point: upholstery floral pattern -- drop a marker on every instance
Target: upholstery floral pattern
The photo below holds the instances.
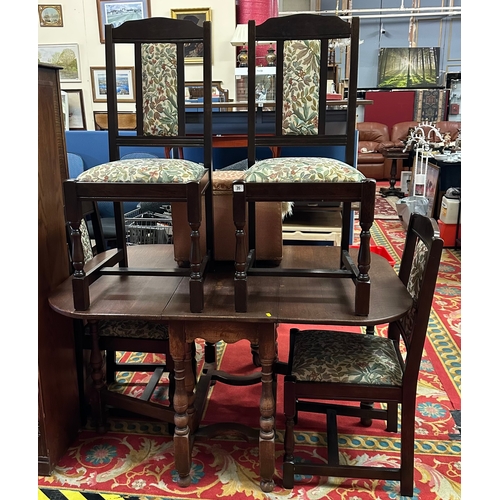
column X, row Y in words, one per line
column 159, row 89
column 340, row 357
column 133, row 329
column 307, row 169
column 145, row 170
column 301, row 87
column 86, row 243
column 413, row 286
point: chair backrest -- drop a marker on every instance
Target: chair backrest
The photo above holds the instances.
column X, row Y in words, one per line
column 418, row 271
column 158, row 46
column 301, row 115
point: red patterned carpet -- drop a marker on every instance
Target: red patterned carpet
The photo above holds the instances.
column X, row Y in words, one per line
column 134, row 460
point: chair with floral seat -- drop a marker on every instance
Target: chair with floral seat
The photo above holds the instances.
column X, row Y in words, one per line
column 158, row 48
column 302, row 118
column 343, row 367
column 140, row 339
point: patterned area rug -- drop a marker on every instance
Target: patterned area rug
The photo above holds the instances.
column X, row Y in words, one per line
column 134, row 459
column 384, row 208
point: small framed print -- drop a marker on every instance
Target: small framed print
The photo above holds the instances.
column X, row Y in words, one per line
column 50, row 16
column 76, row 112
column 125, row 84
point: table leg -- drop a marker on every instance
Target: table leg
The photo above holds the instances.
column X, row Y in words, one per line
column 182, row 447
column 392, row 190
column 267, row 354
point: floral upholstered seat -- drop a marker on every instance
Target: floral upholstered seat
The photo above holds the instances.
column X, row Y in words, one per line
column 336, row 357
column 309, row 169
column 145, row 170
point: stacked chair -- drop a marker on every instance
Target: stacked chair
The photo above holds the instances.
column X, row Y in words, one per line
column 301, row 120
column 158, row 46
column 352, row 367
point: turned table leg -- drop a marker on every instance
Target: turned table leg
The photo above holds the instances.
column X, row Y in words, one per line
column 182, row 448
column 267, row 353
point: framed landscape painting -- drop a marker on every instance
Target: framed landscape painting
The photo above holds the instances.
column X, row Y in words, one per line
column 65, row 55
column 76, row 118
column 50, row 16
column 116, row 12
column 125, row 84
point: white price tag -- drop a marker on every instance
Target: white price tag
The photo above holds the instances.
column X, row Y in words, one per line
column 238, row 188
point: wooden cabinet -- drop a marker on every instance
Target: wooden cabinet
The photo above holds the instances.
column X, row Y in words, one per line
column 58, row 408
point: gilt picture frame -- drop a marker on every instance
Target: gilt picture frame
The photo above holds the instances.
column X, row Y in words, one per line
column 50, row 16
column 125, row 83
column 193, row 52
column 116, row 12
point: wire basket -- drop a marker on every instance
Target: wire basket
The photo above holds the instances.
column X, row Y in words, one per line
column 146, row 226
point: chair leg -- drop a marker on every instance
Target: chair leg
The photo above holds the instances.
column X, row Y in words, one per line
column 289, row 440
column 367, row 422
column 80, row 371
column 111, row 367
column 392, row 417
column 407, row 448
column 97, row 400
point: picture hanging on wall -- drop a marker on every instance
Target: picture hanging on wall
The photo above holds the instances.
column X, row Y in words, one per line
column 409, row 67
column 66, row 56
column 116, row 12
column 76, row 114
column 125, row 84
column 193, row 52
column 50, row 16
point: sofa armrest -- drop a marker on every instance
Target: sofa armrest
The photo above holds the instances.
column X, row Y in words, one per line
column 385, row 145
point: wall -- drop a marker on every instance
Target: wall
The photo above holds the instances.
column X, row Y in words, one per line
column 430, row 32
column 80, row 25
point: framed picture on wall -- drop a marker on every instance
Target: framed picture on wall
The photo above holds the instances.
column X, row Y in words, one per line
column 50, row 16
column 193, row 52
column 116, row 12
column 76, row 113
column 64, row 55
column 125, row 84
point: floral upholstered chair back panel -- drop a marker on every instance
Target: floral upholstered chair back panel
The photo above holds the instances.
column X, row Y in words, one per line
column 157, row 87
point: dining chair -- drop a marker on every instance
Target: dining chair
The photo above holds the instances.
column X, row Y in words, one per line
column 104, row 340
column 343, row 367
column 158, row 93
column 302, row 118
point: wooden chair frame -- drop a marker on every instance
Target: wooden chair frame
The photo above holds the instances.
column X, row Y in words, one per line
column 304, row 395
column 136, row 33
column 324, row 29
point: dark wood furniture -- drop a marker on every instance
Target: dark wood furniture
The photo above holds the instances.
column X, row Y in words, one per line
column 300, row 120
column 283, row 300
column 160, row 123
column 393, row 154
column 58, row 408
column 341, row 366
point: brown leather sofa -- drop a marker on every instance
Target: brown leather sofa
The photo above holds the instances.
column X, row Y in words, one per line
column 373, row 138
column 399, row 131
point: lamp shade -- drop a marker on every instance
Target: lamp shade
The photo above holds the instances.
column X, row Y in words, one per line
column 240, row 36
